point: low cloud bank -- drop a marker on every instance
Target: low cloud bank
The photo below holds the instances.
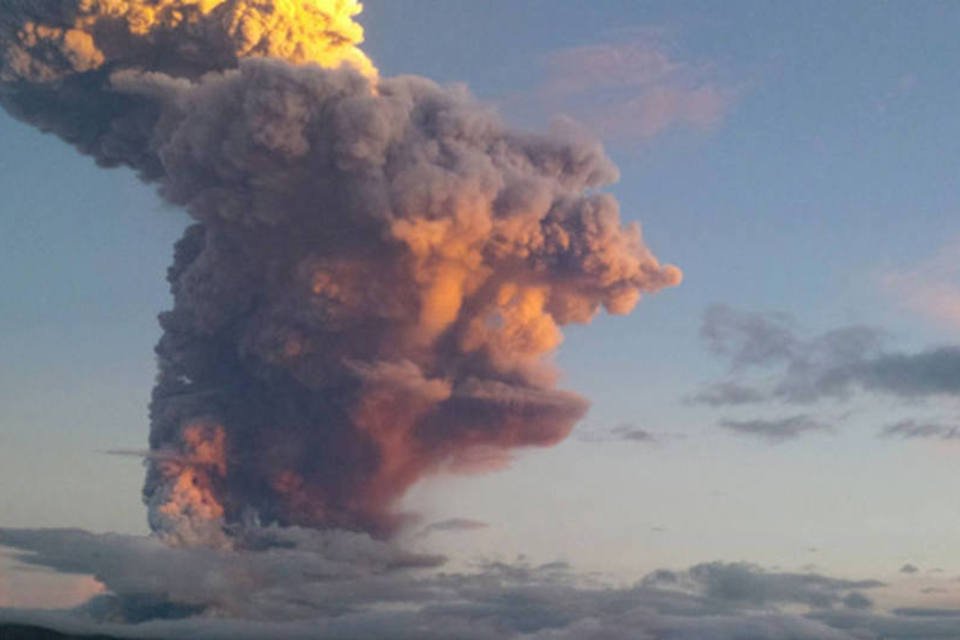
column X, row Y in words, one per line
column 296, row 583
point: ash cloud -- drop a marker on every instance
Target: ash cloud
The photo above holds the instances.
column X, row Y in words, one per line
column 378, row 271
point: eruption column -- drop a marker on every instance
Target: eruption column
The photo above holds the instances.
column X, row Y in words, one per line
column 378, row 271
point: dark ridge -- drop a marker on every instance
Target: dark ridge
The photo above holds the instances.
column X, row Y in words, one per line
column 29, row 632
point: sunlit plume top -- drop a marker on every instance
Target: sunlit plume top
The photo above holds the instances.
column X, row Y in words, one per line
column 189, row 37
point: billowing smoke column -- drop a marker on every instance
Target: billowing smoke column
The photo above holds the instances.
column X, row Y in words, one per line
column 378, row 269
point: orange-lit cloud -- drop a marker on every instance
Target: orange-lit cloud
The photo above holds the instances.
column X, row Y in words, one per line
column 187, row 510
column 379, row 268
column 47, row 43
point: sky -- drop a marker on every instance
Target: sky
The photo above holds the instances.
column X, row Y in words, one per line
column 793, row 404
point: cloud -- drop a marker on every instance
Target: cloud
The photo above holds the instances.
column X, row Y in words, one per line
column 300, row 584
column 831, row 365
column 632, row 89
column 623, row 432
column 926, row 612
column 630, row 433
column 453, row 525
column 750, row 585
column 776, row 431
column 930, row 372
column 856, row 600
column 901, row 89
column 747, row 339
column 326, row 585
column 931, row 288
column 29, row 588
column 912, row 429
column 900, row 624
column 909, row 568
column 725, row 393
column 381, row 256
column 289, row 573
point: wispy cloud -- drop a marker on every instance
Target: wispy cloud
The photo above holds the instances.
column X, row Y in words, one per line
column 776, row 431
column 932, row 287
column 830, row 365
column 914, row 429
column 900, row 89
column 726, row 393
column 632, row 88
column 453, row 525
column 623, row 432
column 631, row 433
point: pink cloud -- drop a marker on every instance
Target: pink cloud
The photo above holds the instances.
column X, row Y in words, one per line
column 661, row 108
column 32, row 588
column 904, row 86
column 632, row 64
column 632, row 90
column 932, row 287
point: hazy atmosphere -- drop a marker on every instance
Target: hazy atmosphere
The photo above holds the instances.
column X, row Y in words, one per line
column 456, row 319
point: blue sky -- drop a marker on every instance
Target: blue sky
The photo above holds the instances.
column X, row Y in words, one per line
column 802, row 160
column 830, row 168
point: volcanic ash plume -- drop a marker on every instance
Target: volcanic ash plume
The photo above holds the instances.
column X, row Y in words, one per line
column 378, row 269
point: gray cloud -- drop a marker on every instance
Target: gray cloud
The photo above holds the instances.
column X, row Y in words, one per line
column 631, row 433
column 913, row 429
column 909, row 568
column 288, row 573
column 301, row 584
column 931, row 372
column 776, row 430
column 856, row 600
column 337, row 585
column 750, row 585
column 899, row 625
column 453, row 524
column 926, row 612
column 623, row 432
column 726, row 393
column 748, row 339
column 834, row 364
